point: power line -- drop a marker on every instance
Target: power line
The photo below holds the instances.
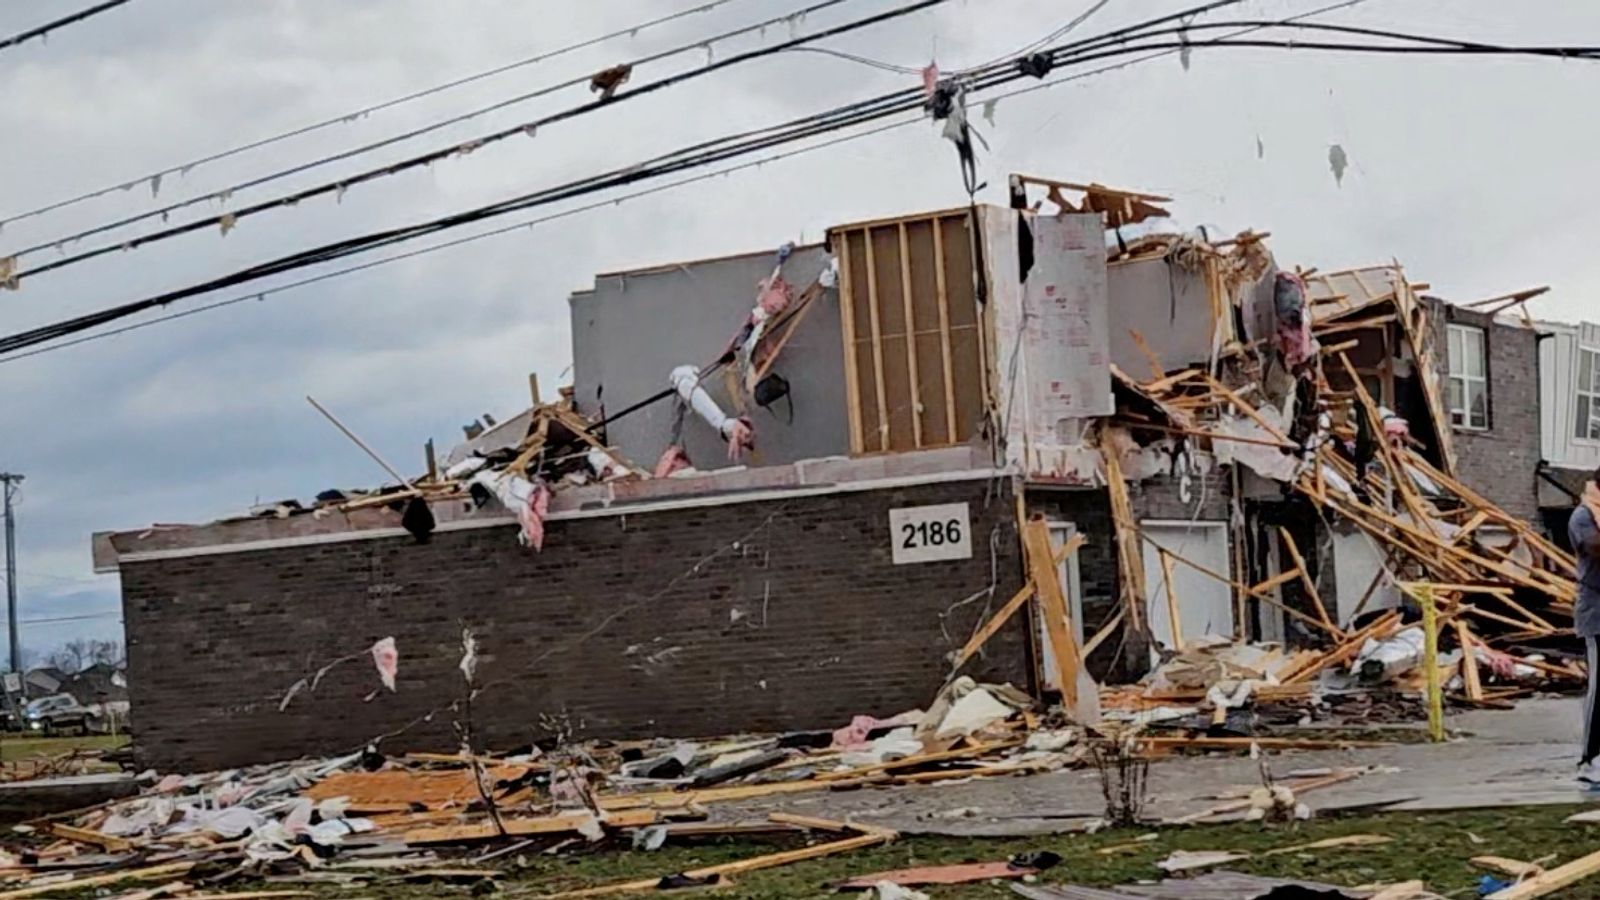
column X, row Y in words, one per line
column 165, row 211
column 45, row 29
column 529, row 224
column 833, row 120
column 79, row 618
column 527, row 128
column 186, row 167
column 520, row 226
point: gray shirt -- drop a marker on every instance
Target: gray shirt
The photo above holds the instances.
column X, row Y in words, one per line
column 1582, row 531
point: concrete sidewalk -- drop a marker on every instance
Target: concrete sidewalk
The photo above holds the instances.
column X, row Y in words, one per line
column 1520, row 757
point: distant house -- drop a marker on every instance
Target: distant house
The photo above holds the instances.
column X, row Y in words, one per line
column 1569, row 414
column 42, row 682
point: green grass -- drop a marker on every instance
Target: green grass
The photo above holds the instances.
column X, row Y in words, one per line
column 20, row 747
column 1435, row 847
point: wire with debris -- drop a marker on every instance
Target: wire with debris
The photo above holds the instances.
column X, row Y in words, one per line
column 185, row 168
column 860, row 113
column 616, row 74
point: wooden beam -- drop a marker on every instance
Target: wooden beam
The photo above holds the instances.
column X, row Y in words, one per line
column 1305, row 580
column 911, row 338
column 877, row 344
column 1173, row 623
column 995, row 623
column 1551, row 881
column 847, row 327
column 106, row 842
column 944, row 329
column 1469, row 662
column 77, row 884
column 1053, row 604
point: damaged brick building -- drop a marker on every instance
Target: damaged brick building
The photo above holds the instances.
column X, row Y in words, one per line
column 816, row 518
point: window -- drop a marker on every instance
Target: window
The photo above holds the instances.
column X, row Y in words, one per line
column 1469, row 378
column 1586, row 424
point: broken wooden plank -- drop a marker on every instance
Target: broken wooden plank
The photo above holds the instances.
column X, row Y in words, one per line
column 105, row 842
column 1047, row 585
column 1469, row 662
column 867, row 837
column 557, row 824
column 1516, row 868
column 77, row 884
column 1552, row 880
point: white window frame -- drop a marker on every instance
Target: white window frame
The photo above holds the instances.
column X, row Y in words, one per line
column 1461, row 416
column 1584, row 431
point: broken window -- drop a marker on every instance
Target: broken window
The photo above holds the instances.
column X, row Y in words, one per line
column 1469, row 377
column 1586, row 424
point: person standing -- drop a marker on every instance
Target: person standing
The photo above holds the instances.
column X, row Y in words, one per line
column 1583, row 529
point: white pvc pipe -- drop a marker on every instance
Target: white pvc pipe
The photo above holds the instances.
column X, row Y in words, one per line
column 686, row 380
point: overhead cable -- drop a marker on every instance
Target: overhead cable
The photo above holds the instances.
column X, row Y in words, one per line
column 154, row 179
column 227, row 220
column 854, row 114
column 45, row 29
column 261, row 296
column 345, row 118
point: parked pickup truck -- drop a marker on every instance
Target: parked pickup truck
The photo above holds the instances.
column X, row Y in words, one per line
column 56, row 714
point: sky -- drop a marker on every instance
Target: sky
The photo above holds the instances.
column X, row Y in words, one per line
column 1472, row 171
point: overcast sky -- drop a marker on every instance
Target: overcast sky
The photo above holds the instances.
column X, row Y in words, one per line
column 1474, row 172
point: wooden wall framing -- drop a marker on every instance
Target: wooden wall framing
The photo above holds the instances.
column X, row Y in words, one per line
column 915, row 348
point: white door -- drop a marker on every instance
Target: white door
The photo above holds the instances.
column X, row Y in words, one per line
column 1068, row 573
column 1205, row 604
column 1357, row 566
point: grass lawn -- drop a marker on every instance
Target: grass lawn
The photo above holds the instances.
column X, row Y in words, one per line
column 1431, row 846
column 19, row 747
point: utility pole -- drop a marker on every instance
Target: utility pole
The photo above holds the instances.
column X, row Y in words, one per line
column 9, row 482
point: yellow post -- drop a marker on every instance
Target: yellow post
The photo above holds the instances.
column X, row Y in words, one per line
column 1430, row 659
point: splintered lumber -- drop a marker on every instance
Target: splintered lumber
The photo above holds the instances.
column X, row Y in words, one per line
column 105, row 842
column 1004, row 614
column 146, row 874
column 1174, row 624
column 865, row 837
column 1469, row 662
column 1129, row 561
column 1305, row 579
column 557, row 824
column 1047, row 587
column 923, row 759
column 1516, row 868
column 995, row 623
column 1349, row 840
column 1550, row 881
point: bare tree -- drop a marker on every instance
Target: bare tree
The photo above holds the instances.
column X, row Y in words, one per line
column 80, row 653
column 72, row 657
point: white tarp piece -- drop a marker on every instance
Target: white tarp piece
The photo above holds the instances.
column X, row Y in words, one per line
column 1052, row 336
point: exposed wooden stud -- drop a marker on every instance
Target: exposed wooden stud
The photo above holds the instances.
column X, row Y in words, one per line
column 1174, row 624
column 847, row 327
column 944, row 329
column 911, row 338
column 431, row 460
column 877, row 344
column 533, row 389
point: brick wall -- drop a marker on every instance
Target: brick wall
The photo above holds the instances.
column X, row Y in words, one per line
column 1500, row 462
column 772, row 615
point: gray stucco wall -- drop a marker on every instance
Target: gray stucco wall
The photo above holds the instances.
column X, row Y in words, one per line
column 1169, row 307
column 634, row 328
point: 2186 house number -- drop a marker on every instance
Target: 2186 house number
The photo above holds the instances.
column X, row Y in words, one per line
column 920, row 534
